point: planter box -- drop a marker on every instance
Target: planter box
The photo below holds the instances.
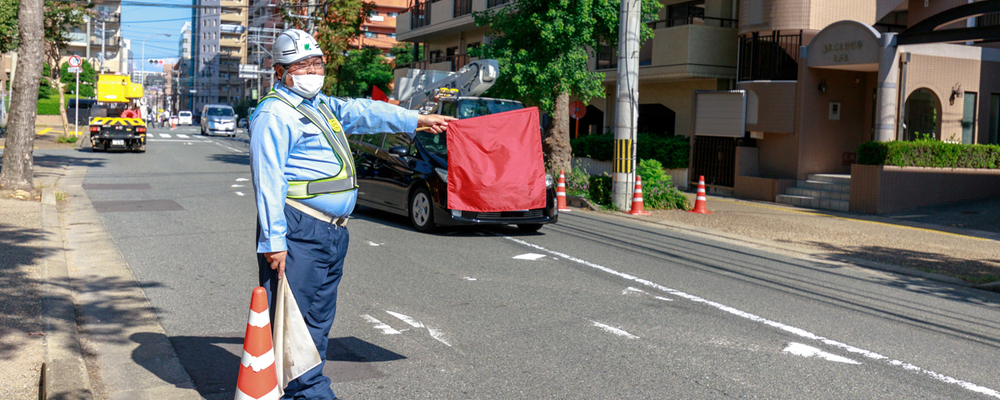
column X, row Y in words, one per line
column 595, row 167
column 885, row 189
column 757, row 188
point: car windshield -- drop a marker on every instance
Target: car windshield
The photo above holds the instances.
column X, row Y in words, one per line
column 480, row 107
column 434, row 143
column 220, row 112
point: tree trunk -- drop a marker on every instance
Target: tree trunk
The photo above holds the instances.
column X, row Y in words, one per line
column 558, row 151
column 18, row 162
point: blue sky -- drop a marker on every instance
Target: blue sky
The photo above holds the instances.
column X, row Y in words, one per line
column 139, row 22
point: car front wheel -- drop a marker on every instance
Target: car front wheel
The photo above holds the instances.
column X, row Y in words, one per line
column 422, row 210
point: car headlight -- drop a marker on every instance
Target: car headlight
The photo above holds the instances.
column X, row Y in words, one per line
column 548, row 180
column 442, row 173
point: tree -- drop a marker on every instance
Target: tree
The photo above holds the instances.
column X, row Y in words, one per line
column 88, row 80
column 402, row 53
column 18, row 163
column 8, row 25
column 363, row 69
column 341, row 26
column 542, row 47
column 58, row 17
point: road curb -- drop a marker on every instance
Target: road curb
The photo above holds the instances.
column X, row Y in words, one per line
column 64, row 372
column 816, row 254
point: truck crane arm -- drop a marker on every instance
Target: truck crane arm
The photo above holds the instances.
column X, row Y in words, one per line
column 420, row 89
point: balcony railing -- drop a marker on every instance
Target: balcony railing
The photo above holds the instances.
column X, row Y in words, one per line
column 693, row 20
column 769, row 57
column 457, row 61
column 418, row 15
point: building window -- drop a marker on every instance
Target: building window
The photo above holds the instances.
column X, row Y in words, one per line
column 418, row 15
column 771, row 56
column 373, row 13
column 392, row 35
column 371, row 34
column 494, row 3
column 462, row 7
column 392, row 15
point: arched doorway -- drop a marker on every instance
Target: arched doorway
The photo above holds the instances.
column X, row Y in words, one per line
column 922, row 115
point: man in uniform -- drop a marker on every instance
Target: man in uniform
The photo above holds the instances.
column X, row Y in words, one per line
column 303, row 177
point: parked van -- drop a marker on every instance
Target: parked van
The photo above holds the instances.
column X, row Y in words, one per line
column 218, row 119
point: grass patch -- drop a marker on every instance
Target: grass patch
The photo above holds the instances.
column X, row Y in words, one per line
column 66, row 139
column 61, row 196
column 49, row 105
column 980, row 279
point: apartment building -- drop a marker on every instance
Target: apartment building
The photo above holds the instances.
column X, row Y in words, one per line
column 822, row 77
column 380, row 28
column 220, row 49
column 265, row 23
column 694, row 48
column 183, row 71
column 101, row 33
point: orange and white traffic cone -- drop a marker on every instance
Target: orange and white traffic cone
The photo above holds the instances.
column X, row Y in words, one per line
column 561, row 193
column 700, row 205
column 258, row 379
column 637, row 199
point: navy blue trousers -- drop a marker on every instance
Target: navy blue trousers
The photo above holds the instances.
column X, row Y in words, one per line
column 313, row 267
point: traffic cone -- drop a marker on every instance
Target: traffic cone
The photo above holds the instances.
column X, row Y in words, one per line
column 561, row 192
column 258, row 379
column 700, row 205
column 637, row 199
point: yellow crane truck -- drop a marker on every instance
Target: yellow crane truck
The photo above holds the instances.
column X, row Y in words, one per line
column 115, row 121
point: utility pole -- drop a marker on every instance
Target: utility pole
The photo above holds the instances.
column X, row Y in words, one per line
column 103, row 39
column 627, row 109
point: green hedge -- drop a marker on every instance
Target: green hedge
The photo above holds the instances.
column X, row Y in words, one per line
column 672, row 152
column 929, row 153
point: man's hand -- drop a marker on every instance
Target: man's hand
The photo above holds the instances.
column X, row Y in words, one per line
column 277, row 260
column 433, row 122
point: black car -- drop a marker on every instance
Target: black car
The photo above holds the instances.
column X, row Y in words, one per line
column 410, row 177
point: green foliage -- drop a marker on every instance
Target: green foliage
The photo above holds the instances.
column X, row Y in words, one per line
column 46, row 90
column 658, row 191
column 88, row 80
column 672, row 152
column 242, row 107
column 49, row 105
column 67, row 139
column 542, row 46
column 577, row 181
column 600, row 189
column 363, row 69
column 402, row 53
column 339, row 29
column 929, row 153
column 8, row 25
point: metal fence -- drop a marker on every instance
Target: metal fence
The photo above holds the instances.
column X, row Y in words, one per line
column 714, row 158
column 418, row 15
column 769, row 57
column 693, row 20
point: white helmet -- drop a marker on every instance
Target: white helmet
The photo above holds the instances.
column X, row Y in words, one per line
column 294, row 45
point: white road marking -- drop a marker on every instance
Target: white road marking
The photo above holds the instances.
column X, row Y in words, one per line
column 235, row 185
column 241, row 179
column 240, row 194
column 438, row 335
column 614, row 330
column 385, row 328
column 529, row 256
column 633, row 291
column 662, row 298
column 373, row 244
column 790, row 329
column 229, row 148
column 469, row 278
column 182, row 136
column 164, row 135
column 800, row 349
column 406, row 318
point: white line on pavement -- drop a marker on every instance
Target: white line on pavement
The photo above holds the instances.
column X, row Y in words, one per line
column 438, row 335
column 790, row 329
column 800, row 349
column 529, row 256
column 406, row 318
column 385, row 328
column 616, row 331
column 182, row 136
column 164, row 135
column 240, row 194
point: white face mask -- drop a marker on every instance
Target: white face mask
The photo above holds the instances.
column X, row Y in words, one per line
column 307, row 86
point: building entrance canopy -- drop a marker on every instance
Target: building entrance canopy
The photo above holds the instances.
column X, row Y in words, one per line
column 845, row 45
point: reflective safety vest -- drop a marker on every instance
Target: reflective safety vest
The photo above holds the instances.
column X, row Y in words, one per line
column 340, row 181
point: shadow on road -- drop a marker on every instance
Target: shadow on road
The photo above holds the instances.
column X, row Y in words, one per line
column 230, row 158
column 213, row 362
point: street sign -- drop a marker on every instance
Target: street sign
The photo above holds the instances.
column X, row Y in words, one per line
column 577, row 109
column 74, row 70
column 75, row 61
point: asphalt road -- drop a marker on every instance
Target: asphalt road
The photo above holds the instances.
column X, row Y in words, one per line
column 592, row 307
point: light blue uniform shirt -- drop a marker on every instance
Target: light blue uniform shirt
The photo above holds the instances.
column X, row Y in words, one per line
column 286, row 146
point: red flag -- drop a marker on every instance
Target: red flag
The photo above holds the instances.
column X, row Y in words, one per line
column 495, row 163
column 377, row 94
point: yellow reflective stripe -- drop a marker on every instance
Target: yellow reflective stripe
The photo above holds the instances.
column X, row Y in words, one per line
column 117, row 121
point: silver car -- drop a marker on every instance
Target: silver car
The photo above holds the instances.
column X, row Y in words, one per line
column 218, row 119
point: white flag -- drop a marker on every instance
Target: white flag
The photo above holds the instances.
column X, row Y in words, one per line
column 294, row 350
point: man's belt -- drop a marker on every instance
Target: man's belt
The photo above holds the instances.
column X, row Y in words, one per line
column 312, row 212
